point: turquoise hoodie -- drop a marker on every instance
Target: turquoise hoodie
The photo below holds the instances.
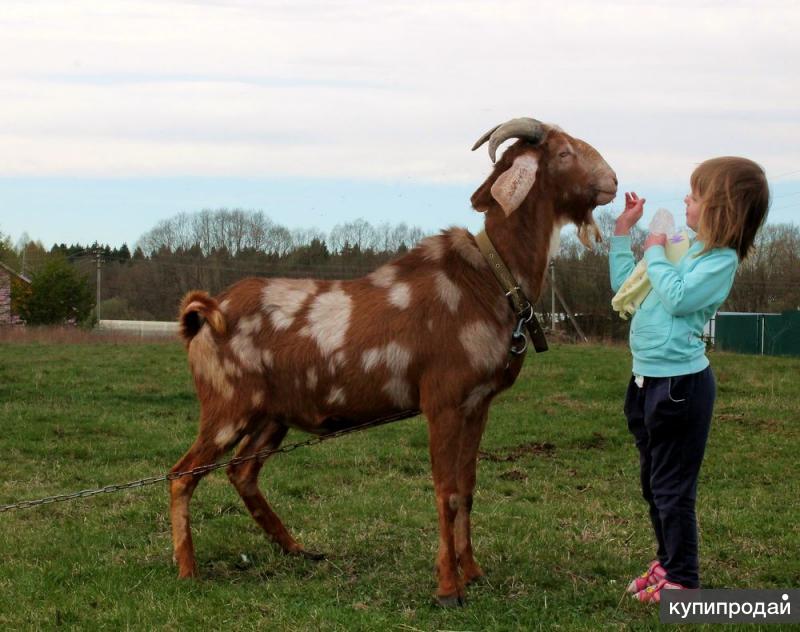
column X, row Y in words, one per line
column 666, row 330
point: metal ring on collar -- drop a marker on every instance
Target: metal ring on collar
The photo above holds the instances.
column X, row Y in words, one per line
column 518, row 351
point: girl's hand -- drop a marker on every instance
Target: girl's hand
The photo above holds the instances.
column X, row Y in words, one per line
column 634, row 208
column 655, row 239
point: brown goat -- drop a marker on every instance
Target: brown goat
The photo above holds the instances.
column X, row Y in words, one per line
column 428, row 331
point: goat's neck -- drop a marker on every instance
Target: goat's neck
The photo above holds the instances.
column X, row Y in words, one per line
column 523, row 241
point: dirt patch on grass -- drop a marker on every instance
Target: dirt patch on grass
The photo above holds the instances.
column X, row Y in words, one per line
column 514, row 475
column 596, row 442
column 516, row 453
column 751, row 421
column 567, row 402
column 729, row 416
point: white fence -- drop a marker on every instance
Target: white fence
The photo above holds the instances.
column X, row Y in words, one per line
column 141, row 328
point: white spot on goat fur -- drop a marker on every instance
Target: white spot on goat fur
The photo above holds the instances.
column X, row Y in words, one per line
column 250, row 325
column 329, row 320
column 395, row 357
column 225, row 436
column 476, row 397
column 430, row 324
column 336, row 396
column 231, row 368
column 371, row 358
column 258, row 399
column 484, row 345
column 432, row 248
column 224, row 305
column 383, row 276
column 281, row 320
column 207, row 365
column 267, row 358
column 249, row 355
column 463, row 244
column 283, row 298
column 400, row 295
column 449, row 292
column 399, row 392
column 336, row 362
column 311, row 378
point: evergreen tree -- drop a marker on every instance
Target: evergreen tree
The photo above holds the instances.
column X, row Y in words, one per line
column 58, row 294
column 195, row 252
column 7, row 253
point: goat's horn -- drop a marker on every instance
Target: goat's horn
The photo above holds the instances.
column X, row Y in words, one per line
column 527, row 128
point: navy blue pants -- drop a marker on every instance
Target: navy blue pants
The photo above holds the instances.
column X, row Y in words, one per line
column 670, row 418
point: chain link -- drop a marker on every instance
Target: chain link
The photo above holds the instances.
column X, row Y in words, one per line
column 203, row 469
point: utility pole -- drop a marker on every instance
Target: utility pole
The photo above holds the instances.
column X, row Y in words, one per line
column 552, row 295
column 97, row 304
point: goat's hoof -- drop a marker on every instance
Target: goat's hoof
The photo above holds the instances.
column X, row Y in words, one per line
column 310, row 555
column 450, row 601
column 473, row 574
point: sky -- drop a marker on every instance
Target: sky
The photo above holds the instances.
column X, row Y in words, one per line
column 115, row 114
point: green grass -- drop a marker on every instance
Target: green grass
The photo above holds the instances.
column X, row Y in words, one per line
column 559, row 525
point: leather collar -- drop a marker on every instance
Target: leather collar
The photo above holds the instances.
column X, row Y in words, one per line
column 523, row 308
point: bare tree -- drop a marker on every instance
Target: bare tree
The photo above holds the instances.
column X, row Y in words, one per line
column 304, row 236
column 278, row 240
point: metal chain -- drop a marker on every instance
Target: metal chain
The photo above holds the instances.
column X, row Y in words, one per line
column 203, row 469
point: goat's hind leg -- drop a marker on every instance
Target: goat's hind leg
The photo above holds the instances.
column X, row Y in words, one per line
column 202, row 452
column 244, row 477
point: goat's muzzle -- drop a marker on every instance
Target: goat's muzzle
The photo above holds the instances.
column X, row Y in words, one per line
column 604, row 197
column 606, row 187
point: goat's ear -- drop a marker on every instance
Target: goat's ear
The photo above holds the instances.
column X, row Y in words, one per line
column 514, row 184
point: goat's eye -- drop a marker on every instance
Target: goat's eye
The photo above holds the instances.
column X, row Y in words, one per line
column 563, row 154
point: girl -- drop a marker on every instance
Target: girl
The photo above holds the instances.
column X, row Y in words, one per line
column 671, row 394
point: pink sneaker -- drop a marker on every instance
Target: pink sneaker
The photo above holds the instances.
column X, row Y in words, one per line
column 652, row 594
column 654, row 573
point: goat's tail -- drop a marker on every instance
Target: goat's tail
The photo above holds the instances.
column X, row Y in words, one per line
column 198, row 308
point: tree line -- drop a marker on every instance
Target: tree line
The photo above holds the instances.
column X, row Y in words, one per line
column 214, row 248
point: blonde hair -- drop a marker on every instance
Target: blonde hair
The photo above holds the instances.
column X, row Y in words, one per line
column 734, row 198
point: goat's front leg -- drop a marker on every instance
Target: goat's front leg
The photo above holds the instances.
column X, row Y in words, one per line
column 468, row 459
column 444, row 429
column 244, row 477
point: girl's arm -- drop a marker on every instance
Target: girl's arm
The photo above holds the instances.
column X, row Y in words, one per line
column 620, row 260
column 708, row 283
column 620, row 257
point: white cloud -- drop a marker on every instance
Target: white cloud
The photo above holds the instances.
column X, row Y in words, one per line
column 389, row 89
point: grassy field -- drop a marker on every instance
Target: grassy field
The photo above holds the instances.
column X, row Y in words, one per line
column 558, row 522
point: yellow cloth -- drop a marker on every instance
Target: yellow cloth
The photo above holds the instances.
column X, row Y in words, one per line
column 637, row 286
